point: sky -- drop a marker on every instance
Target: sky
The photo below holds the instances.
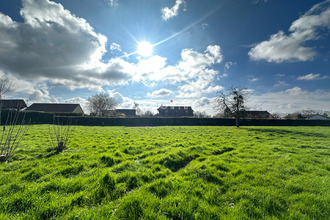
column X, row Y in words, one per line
column 168, row 52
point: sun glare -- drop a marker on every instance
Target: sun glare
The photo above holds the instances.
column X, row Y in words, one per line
column 144, row 49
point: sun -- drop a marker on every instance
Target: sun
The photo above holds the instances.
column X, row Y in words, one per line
column 144, row 48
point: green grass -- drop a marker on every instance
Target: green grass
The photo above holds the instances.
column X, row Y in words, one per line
column 170, row 173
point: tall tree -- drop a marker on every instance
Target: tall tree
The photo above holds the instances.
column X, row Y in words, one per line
column 99, row 103
column 232, row 103
column 5, row 86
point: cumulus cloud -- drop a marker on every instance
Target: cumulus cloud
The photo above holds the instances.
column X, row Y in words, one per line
column 168, row 13
column 282, row 47
column 193, row 61
column 78, row 100
column 161, row 93
column 55, row 45
column 199, row 75
column 291, row 100
column 35, row 91
column 205, row 104
column 121, row 100
column 194, row 73
column 312, row 76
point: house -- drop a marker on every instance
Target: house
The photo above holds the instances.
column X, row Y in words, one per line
column 55, row 108
column 175, row 111
column 119, row 113
column 316, row 117
column 12, row 104
column 258, row 115
column 126, row 112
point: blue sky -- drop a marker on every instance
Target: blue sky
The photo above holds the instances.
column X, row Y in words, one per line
column 66, row 51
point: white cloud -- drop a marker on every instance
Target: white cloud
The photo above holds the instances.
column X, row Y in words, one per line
column 205, row 104
column 193, row 61
column 228, row 65
column 292, row 100
column 168, row 13
column 122, row 101
column 78, row 100
column 253, row 78
column 161, row 93
column 54, row 45
column 257, row 1
column 35, row 91
column 113, row 3
column 193, row 73
column 312, row 76
column 115, row 46
column 281, row 47
column 281, row 84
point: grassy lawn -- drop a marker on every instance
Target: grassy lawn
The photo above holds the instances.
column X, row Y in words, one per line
column 170, row 173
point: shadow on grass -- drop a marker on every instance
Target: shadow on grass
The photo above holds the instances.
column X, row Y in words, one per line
column 288, row 132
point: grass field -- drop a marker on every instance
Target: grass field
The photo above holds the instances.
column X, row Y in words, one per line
column 170, row 173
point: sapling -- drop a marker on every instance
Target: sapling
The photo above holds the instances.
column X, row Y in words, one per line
column 12, row 134
column 60, row 133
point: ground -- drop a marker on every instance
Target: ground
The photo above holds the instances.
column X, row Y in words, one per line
column 170, row 173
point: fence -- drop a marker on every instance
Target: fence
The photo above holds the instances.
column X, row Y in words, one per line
column 131, row 122
column 47, row 118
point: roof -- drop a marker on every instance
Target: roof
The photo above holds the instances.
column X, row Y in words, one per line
column 174, row 107
column 53, row 107
column 258, row 112
column 12, row 103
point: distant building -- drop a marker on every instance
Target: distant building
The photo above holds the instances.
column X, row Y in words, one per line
column 258, row 115
column 175, row 111
column 12, row 104
column 126, row 112
column 119, row 113
column 55, row 108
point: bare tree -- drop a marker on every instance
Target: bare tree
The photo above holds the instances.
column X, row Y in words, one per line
column 100, row 103
column 232, row 103
column 5, row 86
column 198, row 114
column 148, row 114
